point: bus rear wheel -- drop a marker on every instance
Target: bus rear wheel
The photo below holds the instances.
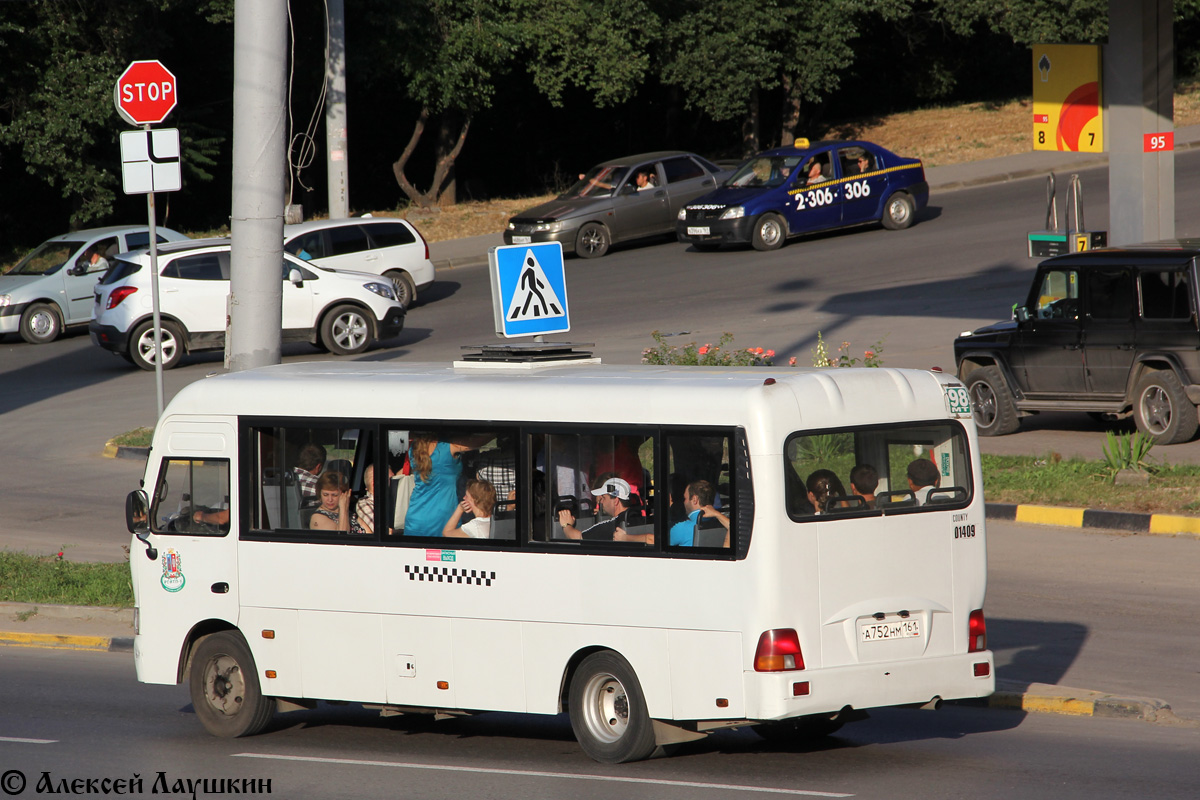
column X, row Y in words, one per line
column 225, row 690
column 608, row 710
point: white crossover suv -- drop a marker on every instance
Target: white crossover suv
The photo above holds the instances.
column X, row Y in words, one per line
column 338, row 310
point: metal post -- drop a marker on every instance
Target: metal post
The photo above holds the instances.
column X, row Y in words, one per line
column 158, row 354
column 259, row 182
column 336, row 150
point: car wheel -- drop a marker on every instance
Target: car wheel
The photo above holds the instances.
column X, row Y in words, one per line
column 608, row 710
column 406, row 290
column 225, row 691
column 40, row 324
column 592, row 241
column 141, row 345
column 769, row 232
column 1162, row 410
column 346, row 331
column 992, row 402
column 899, row 212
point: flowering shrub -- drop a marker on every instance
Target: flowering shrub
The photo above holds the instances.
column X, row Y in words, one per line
column 872, row 357
column 721, row 354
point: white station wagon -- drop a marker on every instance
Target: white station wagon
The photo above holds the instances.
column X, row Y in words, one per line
column 389, row 247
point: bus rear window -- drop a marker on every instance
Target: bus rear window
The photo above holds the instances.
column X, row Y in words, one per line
column 880, row 469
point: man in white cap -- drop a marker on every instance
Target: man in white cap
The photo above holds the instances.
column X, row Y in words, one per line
column 612, row 495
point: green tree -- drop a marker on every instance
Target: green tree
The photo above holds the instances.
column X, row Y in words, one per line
column 61, row 62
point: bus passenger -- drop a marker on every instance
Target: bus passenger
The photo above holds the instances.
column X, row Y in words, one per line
column 334, row 512
column 698, row 501
column 613, row 497
column 436, row 467
column 479, row 499
column 308, row 467
column 364, row 512
column 863, row 481
column 822, row 485
column 923, row 477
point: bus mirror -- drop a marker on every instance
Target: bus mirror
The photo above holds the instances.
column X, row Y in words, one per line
column 137, row 512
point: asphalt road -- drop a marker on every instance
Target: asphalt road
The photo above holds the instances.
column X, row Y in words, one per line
column 963, row 265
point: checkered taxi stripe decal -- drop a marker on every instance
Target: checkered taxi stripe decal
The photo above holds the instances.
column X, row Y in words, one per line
column 476, row 577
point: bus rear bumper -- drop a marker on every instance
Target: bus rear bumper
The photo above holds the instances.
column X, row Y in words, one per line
column 783, row 695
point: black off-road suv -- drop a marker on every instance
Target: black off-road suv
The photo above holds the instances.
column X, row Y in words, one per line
column 1111, row 332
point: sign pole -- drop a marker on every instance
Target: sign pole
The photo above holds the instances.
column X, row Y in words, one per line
column 158, row 355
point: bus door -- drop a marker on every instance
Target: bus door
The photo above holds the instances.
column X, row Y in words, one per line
column 886, row 573
column 192, row 576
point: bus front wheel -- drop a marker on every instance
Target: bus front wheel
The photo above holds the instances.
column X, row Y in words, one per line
column 225, row 690
column 608, row 710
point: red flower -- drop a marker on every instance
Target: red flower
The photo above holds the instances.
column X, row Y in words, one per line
column 703, row 350
column 792, row 361
column 770, row 354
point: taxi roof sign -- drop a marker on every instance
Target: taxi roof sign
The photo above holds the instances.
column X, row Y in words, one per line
column 801, row 144
column 529, row 289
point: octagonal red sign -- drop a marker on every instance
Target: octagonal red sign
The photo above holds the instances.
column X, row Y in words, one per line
column 145, row 93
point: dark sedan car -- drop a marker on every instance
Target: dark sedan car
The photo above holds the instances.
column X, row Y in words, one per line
column 623, row 199
column 804, row 188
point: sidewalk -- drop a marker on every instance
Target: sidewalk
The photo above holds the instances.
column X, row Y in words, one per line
column 470, row 252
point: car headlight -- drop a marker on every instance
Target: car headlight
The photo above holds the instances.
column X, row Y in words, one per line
column 381, row 289
column 682, row 215
column 511, row 226
column 5, row 299
column 542, row 227
column 733, row 212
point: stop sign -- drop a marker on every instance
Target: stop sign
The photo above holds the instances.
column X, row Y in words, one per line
column 145, row 93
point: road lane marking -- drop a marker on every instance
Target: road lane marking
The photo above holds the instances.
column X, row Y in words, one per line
column 18, row 740
column 536, row 774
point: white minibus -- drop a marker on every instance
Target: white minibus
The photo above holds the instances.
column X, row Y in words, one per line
column 661, row 552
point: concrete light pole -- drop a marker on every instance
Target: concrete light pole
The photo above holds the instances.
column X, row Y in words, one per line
column 336, row 145
column 259, row 183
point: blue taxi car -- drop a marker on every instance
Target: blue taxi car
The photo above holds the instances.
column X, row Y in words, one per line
column 804, row 188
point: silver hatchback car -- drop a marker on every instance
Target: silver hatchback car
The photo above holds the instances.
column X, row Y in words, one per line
column 51, row 287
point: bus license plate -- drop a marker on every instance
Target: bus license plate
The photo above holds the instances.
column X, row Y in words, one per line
column 698, row 231
column 522, row 240
column 879, row 630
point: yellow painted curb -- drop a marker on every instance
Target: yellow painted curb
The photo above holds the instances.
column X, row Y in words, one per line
column 1058, row 705
column 17, row 639
column 110, row 449
column 1048, row 515
column 1167, row 523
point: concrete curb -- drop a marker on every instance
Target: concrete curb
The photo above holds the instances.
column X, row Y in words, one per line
column 1041, row 698
column 112, row 450
column 1166, row 524
column 57, row 641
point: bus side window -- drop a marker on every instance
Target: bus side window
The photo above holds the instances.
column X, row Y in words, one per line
column 700, row 504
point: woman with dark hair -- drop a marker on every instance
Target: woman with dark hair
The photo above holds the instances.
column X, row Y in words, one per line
column 822, row 485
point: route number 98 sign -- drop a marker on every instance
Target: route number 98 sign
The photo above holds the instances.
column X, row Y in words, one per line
column 958, row 400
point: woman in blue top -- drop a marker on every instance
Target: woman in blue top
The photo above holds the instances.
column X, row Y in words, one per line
column 436, row 467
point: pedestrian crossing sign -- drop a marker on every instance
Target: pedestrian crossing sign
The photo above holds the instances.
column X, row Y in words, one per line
column 529, row 289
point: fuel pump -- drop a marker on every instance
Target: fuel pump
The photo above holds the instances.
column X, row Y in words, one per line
column 1074, row 236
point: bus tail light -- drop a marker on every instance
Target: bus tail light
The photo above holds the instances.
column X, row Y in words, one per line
column 976, row 632
column 778, row 651
column 119, row 294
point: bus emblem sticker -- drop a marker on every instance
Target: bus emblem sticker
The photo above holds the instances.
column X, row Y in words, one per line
column 172, row 573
